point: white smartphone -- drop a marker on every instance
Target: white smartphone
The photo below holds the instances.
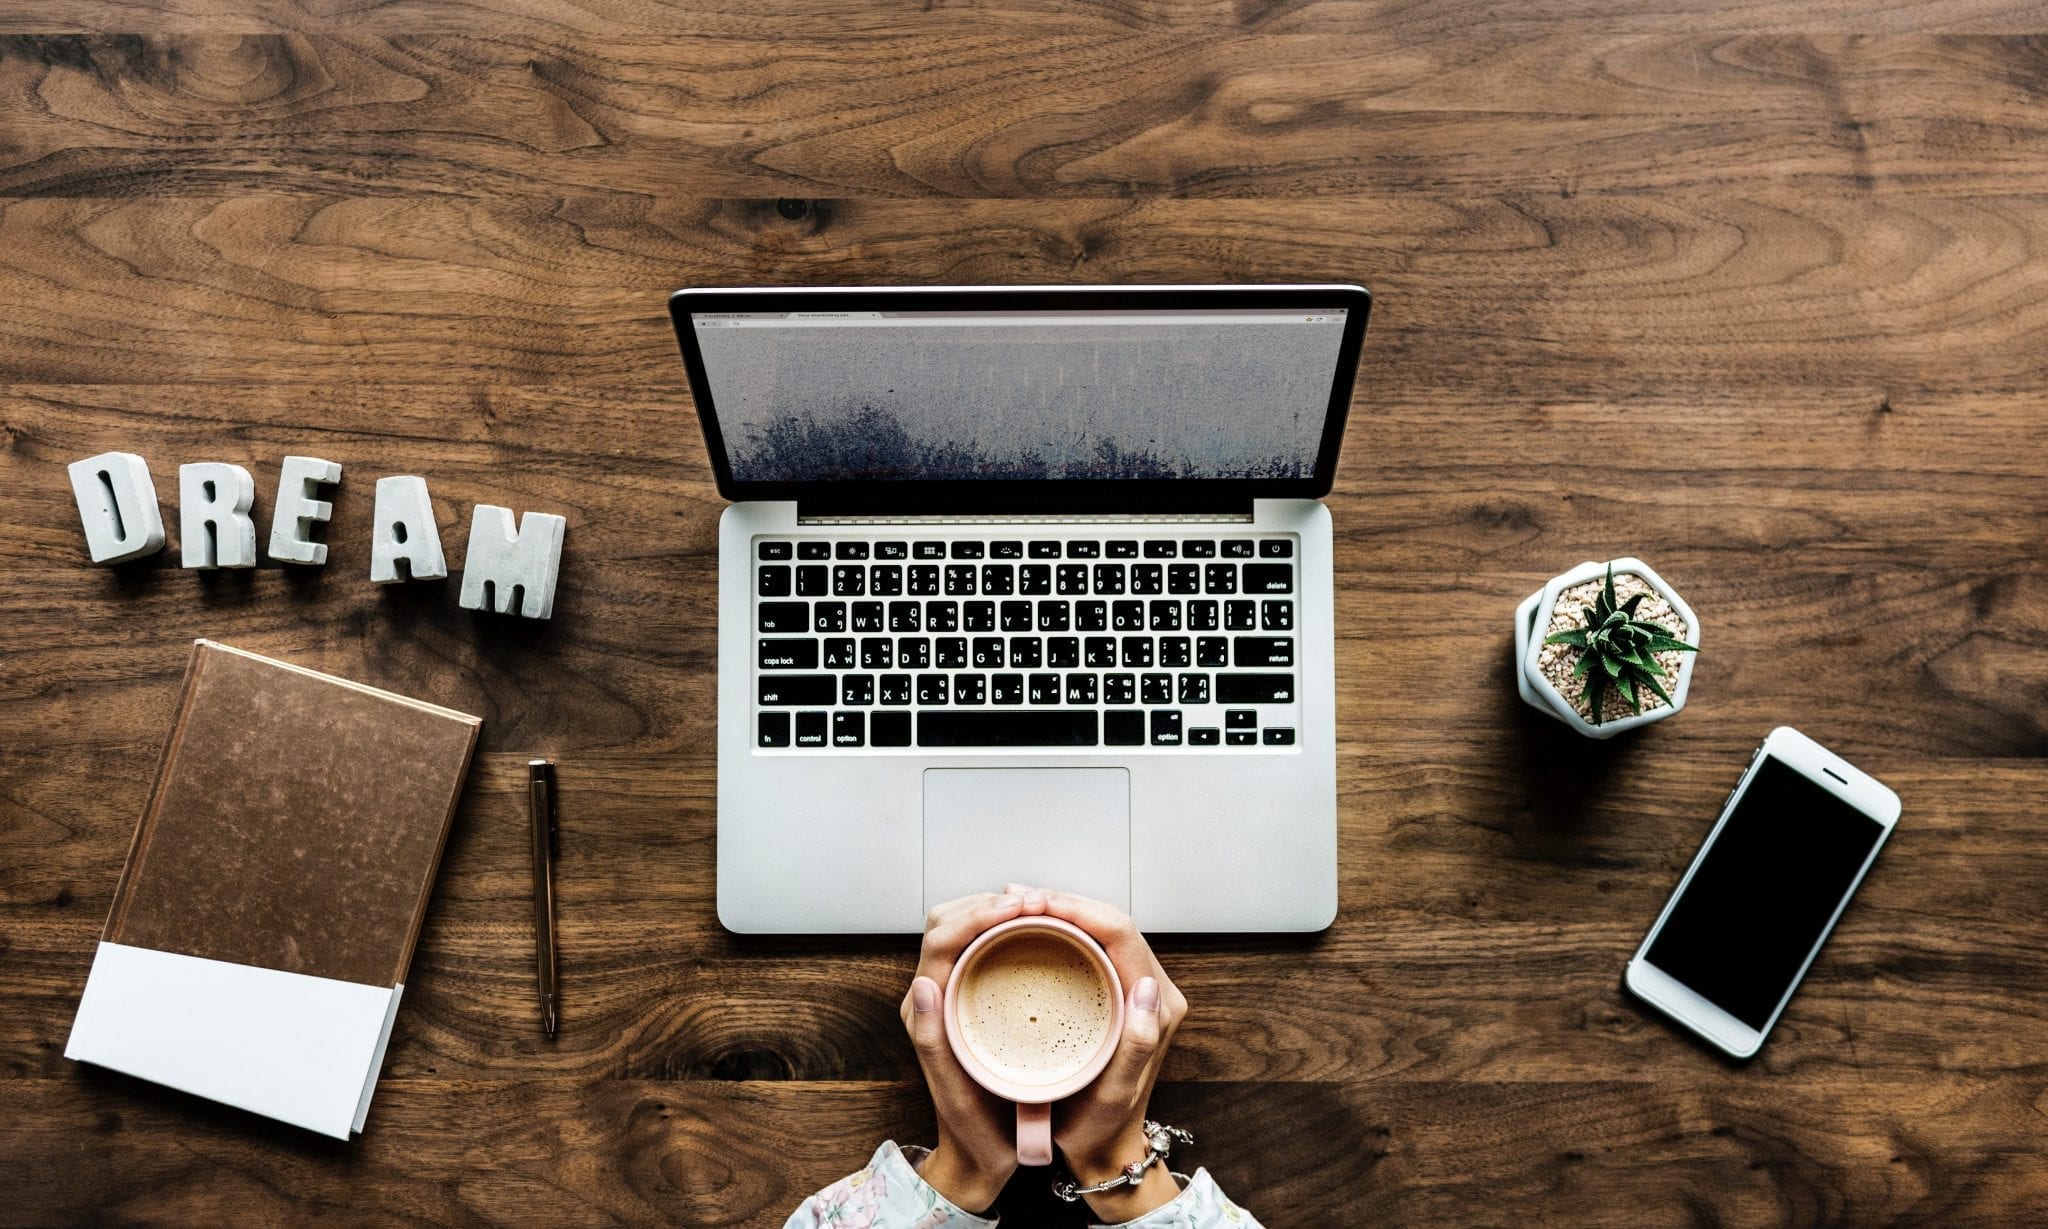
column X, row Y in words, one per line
column 1795, row 838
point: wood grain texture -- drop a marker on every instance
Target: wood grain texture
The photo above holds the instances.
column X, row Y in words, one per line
column 1751, row 289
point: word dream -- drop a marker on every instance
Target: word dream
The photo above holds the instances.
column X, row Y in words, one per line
column 511, row 569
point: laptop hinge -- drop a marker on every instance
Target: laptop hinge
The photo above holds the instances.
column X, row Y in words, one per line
column 1068, row 518
column 1020, row 509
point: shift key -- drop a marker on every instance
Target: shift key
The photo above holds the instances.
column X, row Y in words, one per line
column 1248, row 688
column 812, row 690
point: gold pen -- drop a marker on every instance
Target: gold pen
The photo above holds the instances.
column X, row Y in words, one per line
column 540, row 803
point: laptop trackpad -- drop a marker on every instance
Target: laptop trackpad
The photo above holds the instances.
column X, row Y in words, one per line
column 1065, row 828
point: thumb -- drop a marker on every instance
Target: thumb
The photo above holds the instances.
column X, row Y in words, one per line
column 927, row 1022
column 1141, row 1035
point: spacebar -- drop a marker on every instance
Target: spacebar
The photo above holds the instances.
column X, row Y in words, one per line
column 1026, row 728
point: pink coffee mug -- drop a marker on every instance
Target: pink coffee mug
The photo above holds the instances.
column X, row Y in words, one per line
column 1034, row 1101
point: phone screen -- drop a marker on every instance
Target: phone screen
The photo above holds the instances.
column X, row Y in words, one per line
column 1765, row 893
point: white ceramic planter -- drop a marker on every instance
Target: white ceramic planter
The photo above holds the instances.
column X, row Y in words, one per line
column 1545, row 698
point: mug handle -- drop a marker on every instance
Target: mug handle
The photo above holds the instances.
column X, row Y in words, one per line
column 1034, row 1134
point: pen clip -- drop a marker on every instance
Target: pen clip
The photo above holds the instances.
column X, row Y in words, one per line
column 540, row 784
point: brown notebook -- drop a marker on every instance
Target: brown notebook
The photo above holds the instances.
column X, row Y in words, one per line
column 295, row 828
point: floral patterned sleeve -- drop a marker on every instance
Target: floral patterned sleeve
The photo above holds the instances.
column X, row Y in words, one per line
column 888, row 1194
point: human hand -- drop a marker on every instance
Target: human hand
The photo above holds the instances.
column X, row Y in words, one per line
column 1101, row 1129
column 977, row 1148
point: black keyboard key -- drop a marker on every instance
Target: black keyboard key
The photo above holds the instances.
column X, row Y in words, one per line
column 1174, row 652
column 913, row 653
column 1100, row 652
column 923, row 579
column 1127, row 616
column 789, row 654
column 1198, row 548
column 1212, row 652
column 1119, row 689
column 1148, row 578
column 1026, row 653
column 970, row 689
column 1166, row 727
column 1204, row 616
column 849, row 579
column 791, row 690
column 1045, row 550
column 1109, row 578
column 1084, row 550
column 1194, row 689
column 1054, row 616
column 1081, row 689
column 1276, row 548
column 906, row 617
column 931, row 689
column 942, row 616
column 889, row 729
column 1034, row 579
column 1042, row 689
column 1242, row 738
column 1091, row 616
column 810, row 729
column 988, row 652
column 1125, row 549
column 1240, row 616
column 839, row 653
column 895, row 689
column 1137, row 652
column 998, row 579
column 1063, row 652
column 1124, row 728
column 773, row 581
column 877, row 653
column 852, row 550
column 1279, row 736
column 1016, row 616
column 1241, row 719
column 857, row 690
column 813, row 580
column 1277, row 616
column 892, row 550
column 1237, row 548
column 1269, row 578
column 814, row 550
column 980, row 616
column 1006, row 689
column 1155, row 689
column 1220, row 577
column 1262, row 651
column 1164, row 616
column 777, row 550
column 1006, row 550
column 929, row 550
column 867, row 616
column 1183, row 578
column 849, row 729
column 1200, row 736
column 952, row 653
column 785, row 617
column 885, row 579
column 966, row 550
column 1017, row 728
column 1254, row 688
column 1071, row 578
column 774, row 729
column 1161, row 548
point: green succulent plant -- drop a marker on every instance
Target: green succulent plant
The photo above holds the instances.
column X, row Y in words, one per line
column 1619, row 650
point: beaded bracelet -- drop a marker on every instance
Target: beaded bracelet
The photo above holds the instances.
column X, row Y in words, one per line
column 1159, row 1142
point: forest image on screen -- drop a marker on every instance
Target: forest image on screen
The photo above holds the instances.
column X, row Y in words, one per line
column 1039, row 401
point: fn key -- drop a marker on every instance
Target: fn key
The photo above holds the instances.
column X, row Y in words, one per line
column 774, row 730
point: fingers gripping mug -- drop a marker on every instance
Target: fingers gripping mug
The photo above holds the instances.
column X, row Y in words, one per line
column 1033, row 1011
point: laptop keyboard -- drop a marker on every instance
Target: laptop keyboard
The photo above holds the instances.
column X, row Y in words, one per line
column 1155, row 641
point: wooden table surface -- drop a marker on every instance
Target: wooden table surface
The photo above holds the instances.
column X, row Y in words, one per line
column 1755, row 291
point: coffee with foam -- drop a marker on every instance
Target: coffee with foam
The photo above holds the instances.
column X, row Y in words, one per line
column 1034, row 1008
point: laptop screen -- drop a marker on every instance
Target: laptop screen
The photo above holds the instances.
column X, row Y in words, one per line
column 1038, row 392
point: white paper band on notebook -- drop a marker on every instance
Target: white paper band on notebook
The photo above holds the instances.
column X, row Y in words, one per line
column 297, row 1048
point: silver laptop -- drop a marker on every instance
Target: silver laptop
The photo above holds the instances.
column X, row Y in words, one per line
column 1024, row 584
